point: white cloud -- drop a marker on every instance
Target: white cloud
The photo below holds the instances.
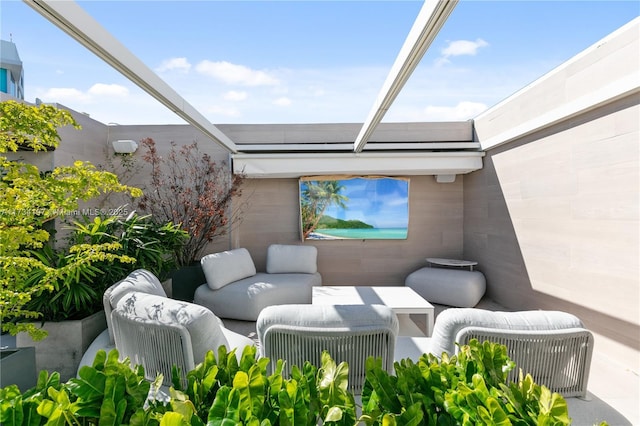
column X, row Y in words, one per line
column 464, row 110
column 461, row 48
column 101, row 89
column 177, row 64
column 283, row 101
column 64, row 94
column 236, row 74
column 234, row 95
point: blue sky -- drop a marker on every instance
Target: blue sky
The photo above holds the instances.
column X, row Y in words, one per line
column 382, row 203
column 305, row 62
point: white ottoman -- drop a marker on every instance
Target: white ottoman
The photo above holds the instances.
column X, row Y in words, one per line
column 451, row 287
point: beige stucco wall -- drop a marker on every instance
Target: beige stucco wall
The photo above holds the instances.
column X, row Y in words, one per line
column 435, row 229
column 553, row 217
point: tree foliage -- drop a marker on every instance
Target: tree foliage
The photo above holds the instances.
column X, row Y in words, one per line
column 189, row 188
column 30, row 198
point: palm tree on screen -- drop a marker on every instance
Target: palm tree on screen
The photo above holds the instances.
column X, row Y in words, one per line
column 316, row 197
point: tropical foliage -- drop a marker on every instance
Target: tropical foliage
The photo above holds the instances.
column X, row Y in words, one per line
column 315, row 198
column 189, row 188
column 30, row 199
column 220, row 391
column 468, row 389
column 140, row 243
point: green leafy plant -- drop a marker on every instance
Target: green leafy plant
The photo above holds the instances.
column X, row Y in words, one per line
column 77, row 293
column 220, row 391
column 128, row 243
column 467, row 389
column 223, row 389
column 29, row 200
column 150, row 243
column 108, row 392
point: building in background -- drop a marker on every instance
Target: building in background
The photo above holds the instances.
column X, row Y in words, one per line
column 11, row 72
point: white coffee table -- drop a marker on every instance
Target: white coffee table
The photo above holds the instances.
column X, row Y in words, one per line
column 403, row 300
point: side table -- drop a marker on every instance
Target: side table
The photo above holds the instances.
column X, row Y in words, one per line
column 452, row 262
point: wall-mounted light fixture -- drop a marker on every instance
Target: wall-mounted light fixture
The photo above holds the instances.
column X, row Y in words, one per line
column 445, row 178
column 124, row 146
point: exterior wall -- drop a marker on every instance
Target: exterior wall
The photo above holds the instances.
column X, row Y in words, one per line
column 553, row 216
column 86, row 144
column 435, row 230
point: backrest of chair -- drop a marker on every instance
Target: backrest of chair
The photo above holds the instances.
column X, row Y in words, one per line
column 558, row 359
column 156, row 347
column 450, row 321
column 139, row 280
column 162, row 317
column 350, row 333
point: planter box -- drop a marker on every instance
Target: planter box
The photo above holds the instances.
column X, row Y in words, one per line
column 185, row 280
column 18, row 367
column 67, row 341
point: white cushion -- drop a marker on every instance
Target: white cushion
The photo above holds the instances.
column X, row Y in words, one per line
column 450, row 321
column 203, row 326
column 335, row 318
column 291, row 259
column 451, row 287
column 244, row 299
column 226, row 267
column 139, row 280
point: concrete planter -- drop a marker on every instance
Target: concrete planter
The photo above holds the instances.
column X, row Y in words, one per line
column 62, row 350
column 18, row 367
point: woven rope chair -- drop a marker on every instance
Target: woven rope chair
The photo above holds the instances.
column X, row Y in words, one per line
column 558, row 359
column 350, row 333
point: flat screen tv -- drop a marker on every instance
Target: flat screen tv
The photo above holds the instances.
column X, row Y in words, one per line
column 357, row 208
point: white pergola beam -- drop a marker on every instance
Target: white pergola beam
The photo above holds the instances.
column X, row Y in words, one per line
column 295, row 165
column 73, row 20
column 432, row 16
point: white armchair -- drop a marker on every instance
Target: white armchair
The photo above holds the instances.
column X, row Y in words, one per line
column 157, row 333
column 554, row 347
column 351, row 333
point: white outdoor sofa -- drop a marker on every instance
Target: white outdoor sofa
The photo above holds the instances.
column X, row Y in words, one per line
column 553, row 346
column 351, row 333
column 158, row 332
column 235, row 290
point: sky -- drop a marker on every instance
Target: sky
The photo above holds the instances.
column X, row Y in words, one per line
column 382, row 203
column 304, row 61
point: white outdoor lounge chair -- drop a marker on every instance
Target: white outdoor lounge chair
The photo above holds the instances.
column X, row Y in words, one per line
column 351, row 333
column 559, row 359
column 157, row 347
column 157, row 333
column 554, row 347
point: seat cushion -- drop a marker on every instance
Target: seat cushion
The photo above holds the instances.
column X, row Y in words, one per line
column 244, row 299
column 228, row 266
column 287, row 259
column 203, row 326
column 451, row 287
